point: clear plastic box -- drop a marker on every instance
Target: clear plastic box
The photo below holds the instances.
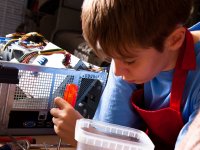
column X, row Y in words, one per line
column 95, row 135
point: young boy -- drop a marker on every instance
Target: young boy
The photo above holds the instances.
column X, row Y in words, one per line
column 154, row 78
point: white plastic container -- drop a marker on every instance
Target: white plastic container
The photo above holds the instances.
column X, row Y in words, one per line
column 95, row 135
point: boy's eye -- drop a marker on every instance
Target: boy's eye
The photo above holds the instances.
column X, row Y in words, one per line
column 129, row 62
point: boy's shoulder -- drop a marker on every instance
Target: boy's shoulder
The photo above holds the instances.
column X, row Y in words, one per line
column 195, row 27
column 196, row 36
column 195, row 31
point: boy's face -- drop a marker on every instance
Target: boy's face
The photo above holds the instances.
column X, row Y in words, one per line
column 142, row 65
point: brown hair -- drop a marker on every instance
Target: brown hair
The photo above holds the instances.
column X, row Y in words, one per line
column 115, row 25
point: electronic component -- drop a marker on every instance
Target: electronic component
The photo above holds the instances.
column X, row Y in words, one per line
column 25, row 106
column 8, row 75
column 88, row 97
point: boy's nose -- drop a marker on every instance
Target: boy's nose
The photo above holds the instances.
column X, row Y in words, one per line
column 119, row 69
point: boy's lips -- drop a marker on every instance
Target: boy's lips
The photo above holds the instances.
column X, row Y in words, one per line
column 130, row 81
column 134, row 81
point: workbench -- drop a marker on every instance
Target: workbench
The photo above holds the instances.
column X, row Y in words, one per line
column 49, row 140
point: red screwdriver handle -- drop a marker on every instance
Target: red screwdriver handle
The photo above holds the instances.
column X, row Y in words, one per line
column 70, row 94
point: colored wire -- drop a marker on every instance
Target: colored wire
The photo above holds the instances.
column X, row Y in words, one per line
column 26, row 57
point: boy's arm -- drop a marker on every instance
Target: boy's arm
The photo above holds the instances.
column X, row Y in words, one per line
column 191, row 140
column 115, row 105
column 189, row 137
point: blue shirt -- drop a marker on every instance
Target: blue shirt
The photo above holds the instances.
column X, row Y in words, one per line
column 115, row 105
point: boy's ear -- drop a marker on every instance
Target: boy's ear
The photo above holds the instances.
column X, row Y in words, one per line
column 175, row 40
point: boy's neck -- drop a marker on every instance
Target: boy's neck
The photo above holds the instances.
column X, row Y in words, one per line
column 172, row 60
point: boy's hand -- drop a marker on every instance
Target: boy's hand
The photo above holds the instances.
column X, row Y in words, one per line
column 191, row 141
column 64, row 119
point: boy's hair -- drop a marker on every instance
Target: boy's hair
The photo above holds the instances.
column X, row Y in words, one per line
column 115, row 25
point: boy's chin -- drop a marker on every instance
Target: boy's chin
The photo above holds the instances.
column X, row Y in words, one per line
column 135, row 81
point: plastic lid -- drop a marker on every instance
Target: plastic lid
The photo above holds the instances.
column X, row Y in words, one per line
column 111, row 136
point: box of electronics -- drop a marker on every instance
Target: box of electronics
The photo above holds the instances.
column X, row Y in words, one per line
column 32, row 74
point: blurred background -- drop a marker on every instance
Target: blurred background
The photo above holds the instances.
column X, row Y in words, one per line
column 58, row 21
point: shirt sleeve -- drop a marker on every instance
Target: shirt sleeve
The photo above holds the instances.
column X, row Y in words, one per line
column 185, row 129
column 194, row 106
column 115, row 105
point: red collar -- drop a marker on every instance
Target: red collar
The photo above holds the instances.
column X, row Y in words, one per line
column 187, row 58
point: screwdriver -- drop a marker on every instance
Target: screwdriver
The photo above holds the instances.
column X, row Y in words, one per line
column 70, row 95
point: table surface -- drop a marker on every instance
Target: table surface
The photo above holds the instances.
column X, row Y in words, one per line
column 51, row 140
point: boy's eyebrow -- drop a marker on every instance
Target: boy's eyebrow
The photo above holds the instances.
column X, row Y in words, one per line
column 122, row 54
column 130, row 58
column 130, row 55
column 122, row 57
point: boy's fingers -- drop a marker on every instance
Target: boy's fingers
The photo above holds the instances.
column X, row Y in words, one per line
column 55, row 112
column 61, row 103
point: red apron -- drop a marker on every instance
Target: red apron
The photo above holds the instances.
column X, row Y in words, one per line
column 164, row 125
